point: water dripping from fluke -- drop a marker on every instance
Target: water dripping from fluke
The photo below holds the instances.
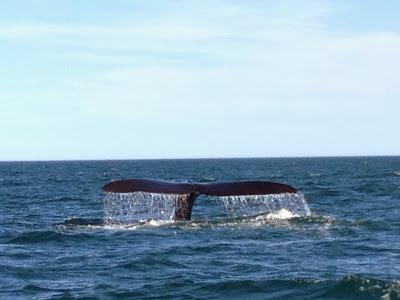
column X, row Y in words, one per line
column 279, row 206
column 137, row 207
column 145, row 201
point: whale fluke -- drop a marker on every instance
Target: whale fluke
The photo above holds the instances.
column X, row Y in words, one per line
column 147, row 185
column 183, row 203
column 241, row 188
column 187, row 192
column 234, row 188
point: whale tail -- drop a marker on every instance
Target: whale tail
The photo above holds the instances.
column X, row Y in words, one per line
column 186, row 193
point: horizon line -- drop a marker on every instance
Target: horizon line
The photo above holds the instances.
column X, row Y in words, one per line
column 208, row 158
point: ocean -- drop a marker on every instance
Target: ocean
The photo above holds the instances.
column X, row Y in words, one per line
column 55, row 244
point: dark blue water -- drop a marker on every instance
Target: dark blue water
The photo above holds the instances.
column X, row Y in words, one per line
column 51, row 247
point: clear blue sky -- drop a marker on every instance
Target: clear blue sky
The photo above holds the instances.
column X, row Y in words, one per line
column 179, row 79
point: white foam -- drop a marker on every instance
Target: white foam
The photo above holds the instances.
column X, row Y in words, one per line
column 282, row 214
column 157, row 223
column 151, row 223
column 119, row 227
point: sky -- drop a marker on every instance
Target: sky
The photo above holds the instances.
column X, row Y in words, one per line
column 198, row 79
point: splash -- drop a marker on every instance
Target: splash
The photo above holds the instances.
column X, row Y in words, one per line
column 136, row 207
column 279, row 205
column 282, row 214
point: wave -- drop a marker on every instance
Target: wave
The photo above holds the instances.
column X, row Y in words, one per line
column 363, row 287
column 36, row 237
column 76, row 221
column 16, row 183
column 348, row 287
column 35, row 288
column 61, row 233
column 280, row 217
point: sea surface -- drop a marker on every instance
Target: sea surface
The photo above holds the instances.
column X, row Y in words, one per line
column 54, row 243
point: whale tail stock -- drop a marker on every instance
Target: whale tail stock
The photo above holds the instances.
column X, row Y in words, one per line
column 187, row 192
